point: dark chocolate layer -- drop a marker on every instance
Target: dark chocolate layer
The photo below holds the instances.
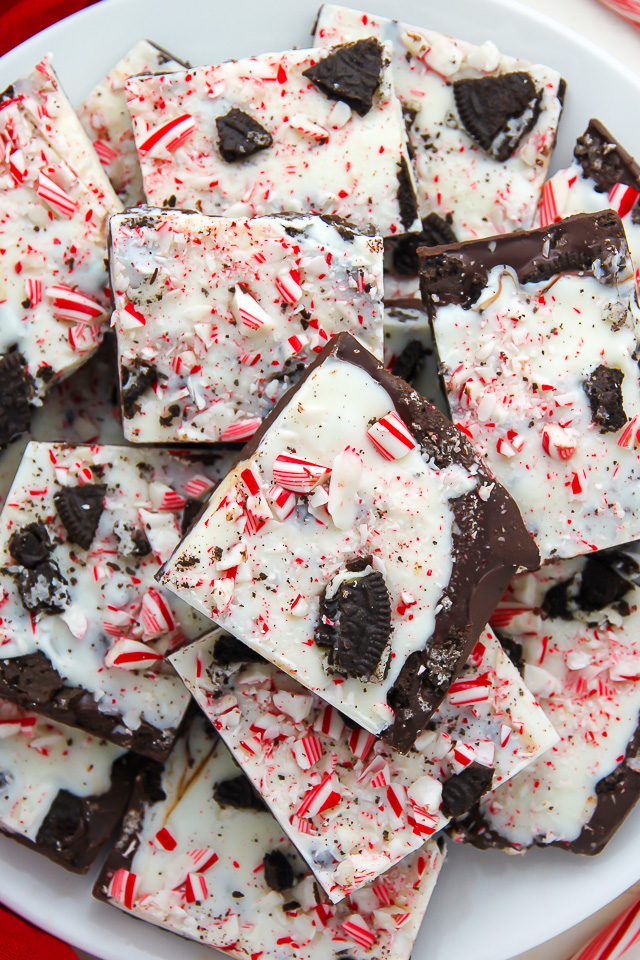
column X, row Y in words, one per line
column 490, row 543
column 604, row 160
column 75, row 828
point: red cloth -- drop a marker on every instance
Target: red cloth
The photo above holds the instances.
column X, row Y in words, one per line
column 20, row 19
column 20, row 941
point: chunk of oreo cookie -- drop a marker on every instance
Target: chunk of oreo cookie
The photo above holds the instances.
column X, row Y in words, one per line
column 407, row 200
column 229, row 650
column 355, row 623
column 436, row 231
column 498, row 111
column 351, row 72
column 237, row 792
column 604, row 160
column 600, row 584
column 16, row 393
column 409, row 362
column 42, row 588
column 604, row 390
column 461, row 791
column 278, row 872
column 80, row 509
column 30, row 545
column 132, row 540
column 135, row 379
column 240, row 136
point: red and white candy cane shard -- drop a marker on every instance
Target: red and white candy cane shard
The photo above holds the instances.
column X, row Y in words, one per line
column 131, row 655
column 505, row 734
column 557, row 443
column 630, row 436
column 302, row 826
column 310, row 129
column 361, row 742
column 106, row 154
column 288, row 286
column 325, row 912
column 165, row 840
column 248, row 311
column 17, row 166
column 397, row 798
column 475, row 690
column 282, row 502
column 195, row 888
column 377, row 774
column 622, row 198
column 330, row 723
column 243, row 430
column 9, row 727
column 391, row 437
column 424, row 823
column 134, row 315
column 164, row 497
column 319, row 798
column 548, row 210
column 156, row 615
column 252, row 479
column 55, row 196
column 616, row 938
column 69, row 304
column 300, row 476
column 122, row 888
column 629, row 10
column 203, row 858
column 504, row 448
column 170, row 135
column 307, row 751
column 198, row 485
column 294, row 345
column 33, row 289
column 382, row 893
column 463, row 753
column 356, row 928
column 257, row 512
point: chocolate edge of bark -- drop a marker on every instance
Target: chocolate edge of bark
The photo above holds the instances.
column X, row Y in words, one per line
column 101, row 813
column 82, row 712
column 631, row 168
column 482, row 591
column 170, row 56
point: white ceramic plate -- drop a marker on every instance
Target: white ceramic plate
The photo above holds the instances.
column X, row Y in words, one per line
column 487, row 906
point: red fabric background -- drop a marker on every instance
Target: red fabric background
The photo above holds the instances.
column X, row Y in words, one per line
column 21, row 941
column 20, row 19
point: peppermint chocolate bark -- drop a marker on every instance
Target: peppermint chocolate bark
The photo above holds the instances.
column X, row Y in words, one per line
column 84, row 628
column 62, row 792
column 537, row 335
column 200, row 856
column 409, row 350
column 304, row 131
column 55, row 203
column 602, row 175
column 216, row 318
column 352, row 805
column 359, row 544
column 481, row 126
column 574, row 626
column 105, row 117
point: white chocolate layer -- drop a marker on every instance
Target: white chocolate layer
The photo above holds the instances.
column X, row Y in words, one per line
column 288, row 742
column 348, row 166
column 177, row 278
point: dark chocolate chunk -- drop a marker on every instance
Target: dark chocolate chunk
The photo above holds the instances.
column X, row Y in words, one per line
column 604, row 389
column 64, row 824
column 278, row 872
column 30, row 545
column 152, row 782
column 600, row 584
column 191, row 510
column 407, row 200
column 408, row 363
column 498, row 111
column 556, row 604
column 230, row 650
column 240, row 136
column 135, row 379
column 513, row 650
column 80, row 509
column 237, row 792
column 351, row 72
column 461, row 791
column 436, row 231
column 604, row 160
column 16, row 393
column 355, row 624
column 42, row 589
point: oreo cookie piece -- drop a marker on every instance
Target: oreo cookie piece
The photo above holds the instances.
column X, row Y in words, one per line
column 498, row 111
column 240, row 136
column 16, row 393
column 463, row 790
column 237, row 792
column 132, row 540
column 42, row 588
column 351, row 72
column 407, row 200
column 604, row 160
column 278, row 871
column 604, row 389
column 409, row 363
column 30, row 545
column 229, row 650
column 601, row 585
column 135, row 379
column 355, row 623
column 80, row 509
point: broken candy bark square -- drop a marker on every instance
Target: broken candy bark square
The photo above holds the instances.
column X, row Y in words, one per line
column 359, row 544
column 62, row 791
column 84, row 627
column 201, row 856
column 538, row 341
column 105, row 117
column 602, row 175
column 352, row 805
column 215, row 318
column 55, row 203
column 409, row 350
column 574, row 628
column 481, row 126
column 304, row 131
